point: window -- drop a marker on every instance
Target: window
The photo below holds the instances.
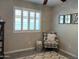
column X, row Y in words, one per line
column 17, row 19
column 61, row 19
column 32, row 17
column 67, row 19
column 27, row 20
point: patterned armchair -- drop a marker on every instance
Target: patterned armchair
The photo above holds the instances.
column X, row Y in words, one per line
column 50, row 40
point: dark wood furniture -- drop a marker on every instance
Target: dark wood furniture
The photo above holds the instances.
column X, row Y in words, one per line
column 2, row 40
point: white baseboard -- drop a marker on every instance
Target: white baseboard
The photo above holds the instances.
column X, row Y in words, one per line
column 68, row 53
column 20, row 50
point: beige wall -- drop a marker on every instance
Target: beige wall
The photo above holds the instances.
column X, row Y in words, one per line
column 16, row 41
column 68, row 33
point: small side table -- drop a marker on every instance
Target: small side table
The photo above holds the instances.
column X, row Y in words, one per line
column 39, row 46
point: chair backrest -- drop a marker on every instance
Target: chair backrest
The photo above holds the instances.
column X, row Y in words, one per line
column 46, row 35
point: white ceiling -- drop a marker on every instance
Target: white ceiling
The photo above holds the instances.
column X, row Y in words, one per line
column 50, row 2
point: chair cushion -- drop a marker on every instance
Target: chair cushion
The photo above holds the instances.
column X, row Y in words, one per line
column 51, row 37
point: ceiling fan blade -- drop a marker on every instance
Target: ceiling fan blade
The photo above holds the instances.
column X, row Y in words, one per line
column 63, row 0
column 45, row 2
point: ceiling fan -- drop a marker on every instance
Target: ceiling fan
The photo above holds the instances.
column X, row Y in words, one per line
column 45, row 1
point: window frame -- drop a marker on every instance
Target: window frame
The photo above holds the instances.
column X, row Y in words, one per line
column 29, row 10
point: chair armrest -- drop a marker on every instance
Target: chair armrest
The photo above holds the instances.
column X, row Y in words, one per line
column 56, row 39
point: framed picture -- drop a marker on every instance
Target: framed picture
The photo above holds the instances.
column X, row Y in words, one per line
column 68, row 19
column 75, row 18
column 61, row 19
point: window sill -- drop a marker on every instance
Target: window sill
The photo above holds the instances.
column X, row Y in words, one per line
column 24, row 31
